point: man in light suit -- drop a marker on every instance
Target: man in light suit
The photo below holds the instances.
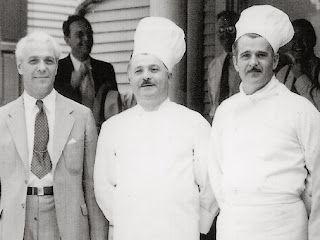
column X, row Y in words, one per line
column 47, row 147
column 101, row 96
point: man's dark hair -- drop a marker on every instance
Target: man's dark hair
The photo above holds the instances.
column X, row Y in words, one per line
column 306, row 27
column 227, row 14
column 251, row 35
column 70, row 20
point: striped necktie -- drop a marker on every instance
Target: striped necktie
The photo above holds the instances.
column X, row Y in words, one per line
column 41, row 164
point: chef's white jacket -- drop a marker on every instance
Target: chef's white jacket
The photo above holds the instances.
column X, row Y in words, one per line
column 150, row 174
column 263, row 151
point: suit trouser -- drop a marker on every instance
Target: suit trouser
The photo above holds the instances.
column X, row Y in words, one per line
column 41, row 220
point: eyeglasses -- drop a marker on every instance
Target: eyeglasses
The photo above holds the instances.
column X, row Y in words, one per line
column 229, row 29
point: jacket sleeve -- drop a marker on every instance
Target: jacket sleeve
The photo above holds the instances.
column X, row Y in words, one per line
column 208, row 203
column 308, row 132
column 105, row 171
column 98, row 223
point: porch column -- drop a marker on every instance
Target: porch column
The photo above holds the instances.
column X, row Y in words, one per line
column 195, row 43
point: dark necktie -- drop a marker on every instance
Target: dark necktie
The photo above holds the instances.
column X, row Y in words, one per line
column 83, row 81
column 224, row 84
column 87, row 86
column 41, row 164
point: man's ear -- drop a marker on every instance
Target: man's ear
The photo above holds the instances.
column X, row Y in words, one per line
column 56, row 69
column 66, row 39
column 19, row 67
column 234, row 59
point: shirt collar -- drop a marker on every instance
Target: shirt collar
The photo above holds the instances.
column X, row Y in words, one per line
column 270, row 89
column 76, row 63
column 161, row 107
column 48, row 101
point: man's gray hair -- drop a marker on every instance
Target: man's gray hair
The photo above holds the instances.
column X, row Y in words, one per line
column 39, row 37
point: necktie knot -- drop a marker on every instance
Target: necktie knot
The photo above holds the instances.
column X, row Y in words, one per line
column 84, row 68
column 39, row 103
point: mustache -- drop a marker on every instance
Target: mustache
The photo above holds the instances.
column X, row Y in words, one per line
column 146, row 82
column 254, row 69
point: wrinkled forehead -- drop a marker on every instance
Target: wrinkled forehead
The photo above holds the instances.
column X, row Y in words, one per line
column 80, row 26
column 145, row 59
column 253, row 42
column 39, row 48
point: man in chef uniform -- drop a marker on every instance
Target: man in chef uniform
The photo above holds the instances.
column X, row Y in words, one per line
column 265, row 142
column 150, row 173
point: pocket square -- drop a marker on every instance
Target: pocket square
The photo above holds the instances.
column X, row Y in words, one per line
column 72, row 140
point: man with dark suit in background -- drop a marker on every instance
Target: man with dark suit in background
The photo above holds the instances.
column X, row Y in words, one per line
column 47, row 147
column 84, row 79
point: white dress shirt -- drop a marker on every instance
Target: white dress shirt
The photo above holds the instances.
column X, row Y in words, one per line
column 75, row 62
column 151, row 174
column 262, row 154
column 31, row 110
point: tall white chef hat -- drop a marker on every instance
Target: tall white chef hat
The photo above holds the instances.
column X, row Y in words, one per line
column 160, row 37
column 267, row 21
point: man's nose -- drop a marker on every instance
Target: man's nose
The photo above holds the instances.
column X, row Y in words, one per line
column 86, row 37
column 253, row 61
column 146, row 75
column 42, row 66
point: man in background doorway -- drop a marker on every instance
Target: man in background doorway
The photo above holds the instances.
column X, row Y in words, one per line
column 302, row 74
column 223, row 80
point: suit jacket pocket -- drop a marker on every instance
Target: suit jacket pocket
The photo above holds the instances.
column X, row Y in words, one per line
column 73, row 157
column 8, row 158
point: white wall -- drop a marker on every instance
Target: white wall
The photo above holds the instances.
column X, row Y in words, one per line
column 114, row 23
column 48, row 16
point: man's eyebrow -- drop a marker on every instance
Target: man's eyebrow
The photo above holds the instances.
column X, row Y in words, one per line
column 245, row 52
column 264, row 52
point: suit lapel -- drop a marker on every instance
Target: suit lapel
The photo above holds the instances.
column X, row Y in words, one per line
column 17, row 126
column 68, row 63
column 63, row 124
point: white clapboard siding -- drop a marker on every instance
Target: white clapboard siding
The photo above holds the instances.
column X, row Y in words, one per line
column 121, row 36
column 112, row 47
column 119, row 14
column 116, row 26
column 209, row 48
column 48, row 16
column 122, row 4
column 114, row 23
